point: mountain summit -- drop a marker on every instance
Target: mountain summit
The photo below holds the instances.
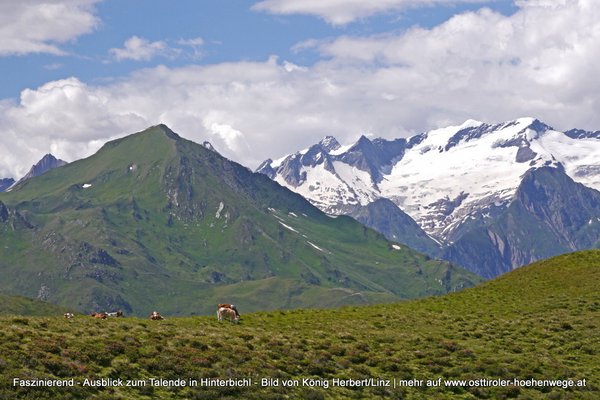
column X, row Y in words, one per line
column 47, row 163
column 154, row 221
column 449, row 181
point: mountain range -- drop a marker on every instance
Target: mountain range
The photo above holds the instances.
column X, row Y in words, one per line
column 154, row 221
column 490, row 197
column 47, row 163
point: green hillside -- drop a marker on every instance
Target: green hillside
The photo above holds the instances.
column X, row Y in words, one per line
column 539, row 322
column 18, row 305
column 153, row 221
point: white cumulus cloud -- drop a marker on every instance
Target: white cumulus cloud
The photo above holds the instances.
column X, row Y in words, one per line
column 40, row 26
column 139, row 49
column 340, row 12
column 540, row 61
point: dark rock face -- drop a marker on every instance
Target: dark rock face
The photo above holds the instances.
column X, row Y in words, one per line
column 47, row 163
column 469, row 134
column 290, row 170
column 265, row 168
column 550, row 215
column 581, row 134
column 446, row 205
column 525, row 154
column 13, row 218
column 317, row 155
column 539, row 126
column 374, row 156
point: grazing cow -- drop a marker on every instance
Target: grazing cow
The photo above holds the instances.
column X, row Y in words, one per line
column 231, row 306
column 155, row 316
column 228, row 313
column 69, row 315
column 101, row 315
column 115, row 314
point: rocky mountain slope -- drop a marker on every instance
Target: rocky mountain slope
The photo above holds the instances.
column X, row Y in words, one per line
column 47, row 163
column 450, row 181
column 153, row 221
column 550, row 214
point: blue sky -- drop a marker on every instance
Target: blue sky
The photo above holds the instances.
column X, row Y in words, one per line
column 264, row 78
column 230, row 30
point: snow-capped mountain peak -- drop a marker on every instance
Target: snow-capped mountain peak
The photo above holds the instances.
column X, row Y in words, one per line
column 329, row 143
column 441, row 178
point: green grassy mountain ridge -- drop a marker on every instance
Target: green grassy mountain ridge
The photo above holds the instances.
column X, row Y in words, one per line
column 154, row 221
column 19, row 305
column 539, row 322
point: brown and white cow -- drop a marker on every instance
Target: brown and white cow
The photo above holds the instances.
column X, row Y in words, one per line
column 230, row 306
column 69, row 315
column 228, row 313
column 101, row 315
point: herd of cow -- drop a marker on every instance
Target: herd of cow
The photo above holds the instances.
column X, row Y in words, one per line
column 224, row 311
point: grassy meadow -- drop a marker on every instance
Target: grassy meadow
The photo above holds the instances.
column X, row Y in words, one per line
column 538, row 322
